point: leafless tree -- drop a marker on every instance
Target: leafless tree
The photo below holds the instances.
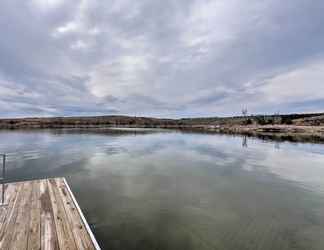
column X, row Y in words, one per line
column 244, row 112
column 276, row 117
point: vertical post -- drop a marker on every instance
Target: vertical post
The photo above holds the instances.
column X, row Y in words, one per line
column 3, row 177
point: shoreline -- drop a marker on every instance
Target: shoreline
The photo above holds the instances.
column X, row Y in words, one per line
column 291, row 133
column 285, row 127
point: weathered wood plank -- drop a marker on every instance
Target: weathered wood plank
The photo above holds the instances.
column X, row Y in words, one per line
column 43, row 214
column 34, row 237
column 64, row 232
column 49, row 239
column 80, row 233
column 9, row 225
column 85, row 223
column 20, row 232
column 11, row 193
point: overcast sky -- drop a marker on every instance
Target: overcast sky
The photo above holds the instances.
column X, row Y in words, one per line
column 161, row 58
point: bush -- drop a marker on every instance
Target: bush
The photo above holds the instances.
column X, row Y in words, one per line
column 286, row 120
column 261, row 120
column 248, row 122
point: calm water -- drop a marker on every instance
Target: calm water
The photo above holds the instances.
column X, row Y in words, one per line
column 170, row 190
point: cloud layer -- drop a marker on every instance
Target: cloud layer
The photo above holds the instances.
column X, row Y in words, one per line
column 160, row 58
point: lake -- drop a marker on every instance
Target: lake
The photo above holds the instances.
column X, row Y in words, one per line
column 159, row 189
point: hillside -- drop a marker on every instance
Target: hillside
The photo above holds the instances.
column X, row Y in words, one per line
column 316, row 119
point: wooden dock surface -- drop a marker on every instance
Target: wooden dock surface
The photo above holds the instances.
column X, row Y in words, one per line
column 43, row 214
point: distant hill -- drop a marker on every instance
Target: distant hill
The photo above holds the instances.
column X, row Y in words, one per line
column 286, row 119
column 84, row 122
column 314, row 119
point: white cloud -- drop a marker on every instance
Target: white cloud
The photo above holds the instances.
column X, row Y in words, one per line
column 199, row 57
column 79, row 45
column 79, row 23
column 47, row 4
column 66, row 28
column 121, row 77
column 301, row 84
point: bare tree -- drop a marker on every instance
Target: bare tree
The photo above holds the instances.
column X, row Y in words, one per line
column 276, row 117
column 244, row 112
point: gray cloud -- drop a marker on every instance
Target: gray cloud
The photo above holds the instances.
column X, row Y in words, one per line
column 162, row 58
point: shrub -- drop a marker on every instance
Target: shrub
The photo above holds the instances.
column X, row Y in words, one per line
column 286, row 120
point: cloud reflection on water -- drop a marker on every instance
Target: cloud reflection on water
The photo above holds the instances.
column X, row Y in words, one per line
column 182, row 191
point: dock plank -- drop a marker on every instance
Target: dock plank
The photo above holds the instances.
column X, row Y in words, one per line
column 35, row 221
column 21, row 228
column 64, row 232
column 11, row 194
column 10, row 221
column 43, row 214
column 80, row 233
column 49, row 239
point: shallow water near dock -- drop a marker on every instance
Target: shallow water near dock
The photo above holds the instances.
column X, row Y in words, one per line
column 159, row 189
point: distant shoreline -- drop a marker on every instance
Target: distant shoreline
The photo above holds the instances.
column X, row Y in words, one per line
column 291, row 133
column 289, row 127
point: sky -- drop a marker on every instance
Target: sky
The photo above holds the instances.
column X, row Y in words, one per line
column 181, row 58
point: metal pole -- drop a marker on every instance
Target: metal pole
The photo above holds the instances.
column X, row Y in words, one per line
column 3, row 177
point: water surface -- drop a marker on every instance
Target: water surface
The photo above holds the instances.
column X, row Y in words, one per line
column 155, row 189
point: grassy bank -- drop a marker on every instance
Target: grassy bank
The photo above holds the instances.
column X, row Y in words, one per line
column 292, row 127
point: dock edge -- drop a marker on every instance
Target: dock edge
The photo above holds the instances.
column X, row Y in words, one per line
column 93, row 239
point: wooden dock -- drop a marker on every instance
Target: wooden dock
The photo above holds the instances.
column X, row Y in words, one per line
column 43, row 214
